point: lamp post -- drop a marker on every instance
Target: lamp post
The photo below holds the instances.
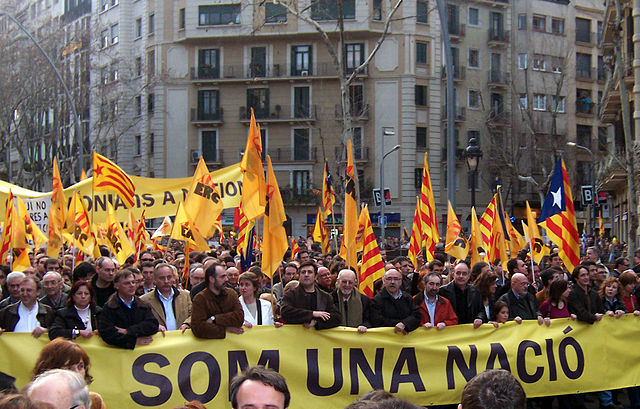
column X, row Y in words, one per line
column 472, row 155
column 594, row 213
column 386, row 131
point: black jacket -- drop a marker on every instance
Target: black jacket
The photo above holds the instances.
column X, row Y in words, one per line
column 585, row 305
column 525, row 307
column 387, row 311
column 137, row 320
column 9, row 316
column 474, row 300
column 366, row 306
column 102, row 294
column 294, row 311
column 67, row 320
column 617, row 304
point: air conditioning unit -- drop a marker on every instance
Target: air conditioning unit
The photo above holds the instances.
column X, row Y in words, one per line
column 195, row 155
column 304, row 73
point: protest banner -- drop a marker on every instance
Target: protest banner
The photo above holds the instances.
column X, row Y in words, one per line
column 159, row 196
column 331, row 368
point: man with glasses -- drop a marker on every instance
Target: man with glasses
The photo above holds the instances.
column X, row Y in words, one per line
column 392, row 307
column 522, row 304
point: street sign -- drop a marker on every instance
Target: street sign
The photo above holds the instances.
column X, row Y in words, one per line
column 377, row 198
column 586, row 194
column 381, row 221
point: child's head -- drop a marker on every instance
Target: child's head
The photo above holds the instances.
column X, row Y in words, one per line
column 500, row 312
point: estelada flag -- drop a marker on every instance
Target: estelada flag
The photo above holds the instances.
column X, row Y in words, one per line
column 558, row 217
column 372, row 265
column 455, row 244
column 203, row 200
column 253, row 200
column 274, row 243
column 108, row 176
column 117, row 240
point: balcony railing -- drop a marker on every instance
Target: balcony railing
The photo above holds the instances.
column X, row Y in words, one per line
column 586, row 37
column 293, row 155
column 358, row 112
column 456, row 29
column 585, row 107
column 583, row 73
column 280, row 113
column 458, row 72
column 498, row 77
column 198, row 115
column 460, row 113
column 210, row 156
column 498, row 36
column 230, row 72
column 360, row 154
column 497, row 114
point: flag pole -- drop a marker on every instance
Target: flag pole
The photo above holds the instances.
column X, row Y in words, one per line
column 335, row 237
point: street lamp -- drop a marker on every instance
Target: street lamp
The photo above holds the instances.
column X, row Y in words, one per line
column 594, row 213
column 472, row 155
column 386, row 131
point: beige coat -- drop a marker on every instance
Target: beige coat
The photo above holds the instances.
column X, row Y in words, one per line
column 181, row 306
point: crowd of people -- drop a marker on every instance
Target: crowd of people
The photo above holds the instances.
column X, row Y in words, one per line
column 125, row 305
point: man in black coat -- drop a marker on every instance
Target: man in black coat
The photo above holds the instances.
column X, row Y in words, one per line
column 465, row 299
column 126, row 321
column 392, row 307
column 584, row 300
column 354, row 306
column 522, row 304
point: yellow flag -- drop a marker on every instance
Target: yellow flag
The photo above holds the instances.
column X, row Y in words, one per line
column 19, row 226
column 83, row 175
column 274, row 243
column 184, row 229
column 32, row 231
column 476, row 245
column 117, row 240
column 7, row 227
column 363, row 219
column 455, row 245
column 203, row 200
column 164, row 229
column 350, row 227
column 56, row 214
column 253, row 200
column 538, row 248
column 21, row 260
column 320, row 232
column 81, row 232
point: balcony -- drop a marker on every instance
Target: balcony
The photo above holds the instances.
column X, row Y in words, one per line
column 498, row 38
column 498, row 79
column 360, row 154
column 279, row 114
column 584, row 73
column 460, row 114
column 293, row 196
column 251, row 72
column 359, row 112
column 586, row 37
column 585, row 107
column 498, row 116
column 201, row 118
column 458, row 73
column 212, row 157
column 456, row 32
column 297, row 155
column 602, row 74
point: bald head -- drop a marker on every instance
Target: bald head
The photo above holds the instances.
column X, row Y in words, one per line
column 392, row 281
column 346, row 282
column 519, row 284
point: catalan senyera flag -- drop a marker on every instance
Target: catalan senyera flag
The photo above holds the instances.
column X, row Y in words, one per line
column 5, row 240
column 32, row 231
column 81, row 232
column 486, row 221
column 496, row 246
column 164, row 229
column 405, row 234
column 558, row 217
column 320, row 232
column 328, row 196
column 350, row 227
column 512, row 237
column 244, row 230
column 295, row 249
column 108, row 176
column 372, row 266
column 141, row 237
column 428, row 216
column 203, row 200
column 56, row 214
column 117, row 240
column 455, row 244
column 415, row 242
column 476, row 245
column 600, row 224
column 253, row 200
column 185, row 230
column 538, row 248
column 275, row 242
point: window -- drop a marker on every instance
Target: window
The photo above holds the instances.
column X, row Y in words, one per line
column 208, row 105
column 602, row 138
column 523, row 101
column 301, row 181
column 258, row 99
column 151, row 63
column 557, row 26
column 421, row 137
column 104, row 5
column 208, row 145
column 181, row 19
column 328, row 9
column 522, row 21
column 422, row 11
column 356, row 97
column 301, row 102
column 583, row 135
column 354, row 56
column 115, row 34
column 539, row 23
column 474, row 99
column 583, row 30
column 417, row 178
column 358, row 150
column 138, row 105
column 104, row 37
column 151, row 102
column 474, row 58
column 421, row 95
column 275, row 13
column 301, row 60
column 138, row 145
column 539, row 63
column 138, row 66
column 539, row 102
column 114, row 3
column 258, row 65
column 522, row 61
column 152, row 141
column 152, row 23
column 219, row 15
column 138, row 27
column 377, row 10
column 599, row 32
column 583, row 65
column 113, row 72
column 602, row 74
column 473, row 18
column 301, row 144
column 557, row 65
column 209, row 63
column 558, row 104
column 421, row 53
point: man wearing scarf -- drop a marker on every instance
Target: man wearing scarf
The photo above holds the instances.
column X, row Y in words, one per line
column 352, row 304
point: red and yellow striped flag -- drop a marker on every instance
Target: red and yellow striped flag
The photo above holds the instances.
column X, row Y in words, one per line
column 244, row 228
column 253, row 200
column 108, row 176
column 78, row 226
column 372, row 265
column 476, row 245
column 141, row 236
column 415, row 242
column 486, row 221
column 328, row 196
column 428, row 216
column 320, row 232
column 295, row 249
column 7, row 229
column 455, row 244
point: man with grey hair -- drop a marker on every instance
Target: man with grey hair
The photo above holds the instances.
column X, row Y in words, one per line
column 14, row 279
column 169, row 304
column 52, row 285
column 60, row 388
column 102, row 282
column 392, row 307
column 352, row 304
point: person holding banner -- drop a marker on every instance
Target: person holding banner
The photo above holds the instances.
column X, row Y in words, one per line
column 354, row 307
column 256, row 311
column 522, row 304
column 170, row 305
column 392, row 307
column 28, row 315
column 80, row 317
column 435, row 311
column 465, row 298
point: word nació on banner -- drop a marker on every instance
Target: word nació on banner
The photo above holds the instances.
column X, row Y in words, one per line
column 160, row 197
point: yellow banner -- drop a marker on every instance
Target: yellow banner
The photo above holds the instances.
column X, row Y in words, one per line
column 331, row 368
column 159, row 196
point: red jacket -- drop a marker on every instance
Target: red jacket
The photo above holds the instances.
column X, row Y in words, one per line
column 444, row 310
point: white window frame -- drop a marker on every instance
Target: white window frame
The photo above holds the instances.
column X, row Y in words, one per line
column 539, row 102
column 539, row 63
column 115, row 39
column 561, row 105
column 523, row 61
column 469, row 17
column 479, row 66
column 478, row 100
column 523, row 100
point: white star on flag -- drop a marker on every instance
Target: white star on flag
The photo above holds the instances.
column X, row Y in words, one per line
column 557, row 198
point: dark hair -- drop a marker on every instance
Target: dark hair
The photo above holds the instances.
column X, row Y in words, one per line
column 309, row 263
column 556, row 289
column 49, row 261
column 477, row 269
column 434, row 263
column 59, row 353
column 123, row 274
column 619, row 261
column 261, row 374
column 145, row 264
column 83, row 270
column 74, row 289
column 606, row 283
column 249, row 276
column 210, row 272
column 294, row 265
column 484, row 281
column 493, row 389
column 576, row 272
column 497, row 307
column 547, row 275
column 512, row 264
column 427, row 276
column 400, row 259
column 626, row 278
